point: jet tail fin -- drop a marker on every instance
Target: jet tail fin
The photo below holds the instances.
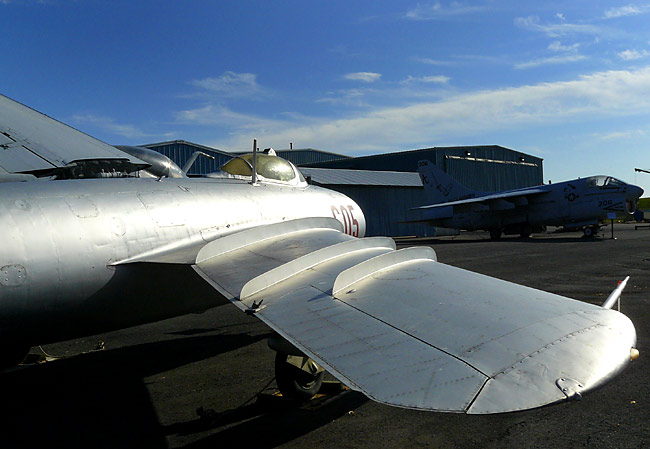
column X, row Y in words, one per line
column 439, row 186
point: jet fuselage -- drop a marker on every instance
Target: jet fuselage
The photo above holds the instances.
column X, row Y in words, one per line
column 63, row 241
column 573, row 204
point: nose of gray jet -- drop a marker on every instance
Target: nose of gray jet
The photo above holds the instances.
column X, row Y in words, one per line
column 632, row 197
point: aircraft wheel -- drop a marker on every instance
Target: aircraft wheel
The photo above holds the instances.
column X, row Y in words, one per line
column 12, row 355
column 295, row 383
column 495, row 234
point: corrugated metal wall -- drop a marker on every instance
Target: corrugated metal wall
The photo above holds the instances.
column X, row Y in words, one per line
column 308, row 156
column 487, row 168
column 384, row 208
column 180, row 151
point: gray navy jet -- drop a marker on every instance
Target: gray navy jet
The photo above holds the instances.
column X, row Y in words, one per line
column 94, row 239
column 577, row 204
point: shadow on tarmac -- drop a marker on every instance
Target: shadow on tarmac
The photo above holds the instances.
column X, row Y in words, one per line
column 267, row 424
column 99, row 399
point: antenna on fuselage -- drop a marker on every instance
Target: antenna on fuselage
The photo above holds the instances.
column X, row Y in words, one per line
column 254, row 178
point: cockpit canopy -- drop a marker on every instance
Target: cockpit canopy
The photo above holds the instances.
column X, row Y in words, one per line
column 606, row 182
column 269, row 168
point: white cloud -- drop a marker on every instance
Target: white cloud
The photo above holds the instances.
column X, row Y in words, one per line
column 231, row 85
column 622, row 11
column 439, row 79
column 350, row 97
column 555, row 29
column 620, row 135
column 211, row 115
column 557, row 46
column 109, row 125
column 435, row 62
column 550, row 60
column 603, row 94
column 631, row 55
column 366, row 77
column 436, row 11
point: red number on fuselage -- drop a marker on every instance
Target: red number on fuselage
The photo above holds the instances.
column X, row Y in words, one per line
column 344, row 214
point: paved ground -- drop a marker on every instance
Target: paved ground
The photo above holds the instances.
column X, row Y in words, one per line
column 143, row 390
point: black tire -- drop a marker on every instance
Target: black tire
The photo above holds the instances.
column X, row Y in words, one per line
column 588, row 231
column 495, row 234
column 294, row 383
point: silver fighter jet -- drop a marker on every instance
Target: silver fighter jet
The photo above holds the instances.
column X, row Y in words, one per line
column 87, row 246
column 577, row 204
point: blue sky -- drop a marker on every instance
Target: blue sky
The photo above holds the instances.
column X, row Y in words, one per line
column 565, row 81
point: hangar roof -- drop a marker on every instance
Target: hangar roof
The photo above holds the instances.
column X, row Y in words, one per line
column 328, row 176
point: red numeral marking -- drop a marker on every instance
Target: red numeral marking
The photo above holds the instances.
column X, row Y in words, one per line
column 344, row 214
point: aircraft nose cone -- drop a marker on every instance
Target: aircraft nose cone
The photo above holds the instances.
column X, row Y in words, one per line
column 635, row 192
column 633, row 195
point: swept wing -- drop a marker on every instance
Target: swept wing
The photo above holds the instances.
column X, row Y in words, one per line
column 509, row 195
column 412, row 332
column 31, row 142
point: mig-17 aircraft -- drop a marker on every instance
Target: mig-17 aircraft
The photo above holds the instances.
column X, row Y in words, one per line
column 577, row 204
column 89, row 242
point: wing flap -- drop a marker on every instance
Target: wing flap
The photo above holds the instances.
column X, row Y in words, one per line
column 230, row 262
column 296, row 266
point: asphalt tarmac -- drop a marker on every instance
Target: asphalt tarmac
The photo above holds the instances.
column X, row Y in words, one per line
column 194, row 381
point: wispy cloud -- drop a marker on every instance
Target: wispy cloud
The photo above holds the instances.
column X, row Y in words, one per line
column 557, row 46
column 621, row 135
column 211, row 115
column 555, row 29
column 109, row 125
column 564, row 59
column 349, row 97
column 437, row 11
column 435, row 62
column 623, row 11
column 600, row 94
column 631, row 55
column 366, row 77
column 438, row 79
column 231, row 85
column 566, row 54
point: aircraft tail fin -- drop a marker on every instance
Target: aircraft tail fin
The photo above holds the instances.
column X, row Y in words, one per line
column 439, row 186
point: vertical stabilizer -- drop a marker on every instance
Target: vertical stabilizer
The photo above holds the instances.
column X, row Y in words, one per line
column 439, row 186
